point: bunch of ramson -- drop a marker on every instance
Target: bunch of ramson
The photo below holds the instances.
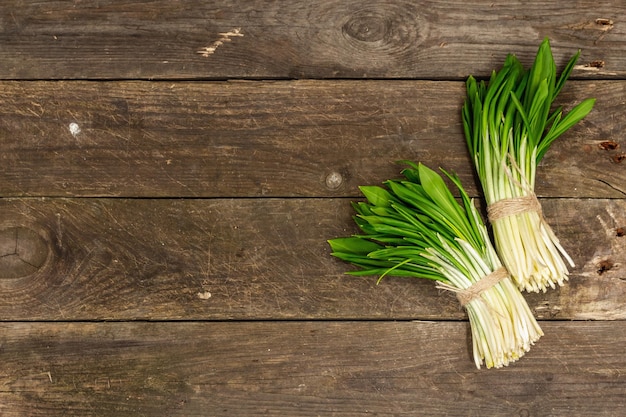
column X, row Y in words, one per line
column 509, row 125
column 414, row 227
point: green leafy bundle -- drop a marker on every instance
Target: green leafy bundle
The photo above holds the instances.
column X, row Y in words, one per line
column 414, row 227
column 509, row 125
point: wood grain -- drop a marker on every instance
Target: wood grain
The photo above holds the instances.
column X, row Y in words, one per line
column 254, row 259
column 334, row 368
column 270, row 139
column 300, row 39
column 167, row 187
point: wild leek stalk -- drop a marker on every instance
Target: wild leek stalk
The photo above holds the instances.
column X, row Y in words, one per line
column 509, row 125
column 415, row 228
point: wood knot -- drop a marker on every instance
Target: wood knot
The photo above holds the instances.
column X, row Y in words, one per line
column 334, row 180
column 22, row 252
column 367, row 27
column 384, row 28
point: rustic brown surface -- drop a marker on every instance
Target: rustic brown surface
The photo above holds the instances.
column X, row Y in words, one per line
column 257, row 259
column 335, row 368
column 271, row 139
column 170, row 172
column 299, row 38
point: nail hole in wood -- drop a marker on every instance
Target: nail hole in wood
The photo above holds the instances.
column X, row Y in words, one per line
column 604, row 266
column 608, row 145
column 598, row 63
column 604, row 22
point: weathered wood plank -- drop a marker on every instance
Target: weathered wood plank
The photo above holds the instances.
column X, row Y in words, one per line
column 92, row 259
column 303, row 369
column 299, row 39
column 304, row 138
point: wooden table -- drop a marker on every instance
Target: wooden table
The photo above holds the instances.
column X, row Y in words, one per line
column 171, row 170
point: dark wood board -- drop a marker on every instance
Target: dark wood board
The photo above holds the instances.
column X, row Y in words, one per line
column 271, row 139
column 252, row 259
column 170, row 171
column 303, row 369
column 423, row 39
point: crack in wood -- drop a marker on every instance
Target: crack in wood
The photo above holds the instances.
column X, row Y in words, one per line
column 22, row 252
column 611, row 186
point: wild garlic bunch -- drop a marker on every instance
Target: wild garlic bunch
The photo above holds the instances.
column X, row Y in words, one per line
column 414, row 227
column 509, row 125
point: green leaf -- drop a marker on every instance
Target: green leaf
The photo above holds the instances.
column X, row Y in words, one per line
column 520, row 108
column 565, row 74
column 475, row 237
column 438, row 191
column 401, row 252
column 353, row 245
column 536, row 113
column 574, row 116
column 543, row 68
column 377, row 196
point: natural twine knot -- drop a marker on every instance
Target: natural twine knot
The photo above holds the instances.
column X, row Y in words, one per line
column 512, row 206
column 466, row 295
